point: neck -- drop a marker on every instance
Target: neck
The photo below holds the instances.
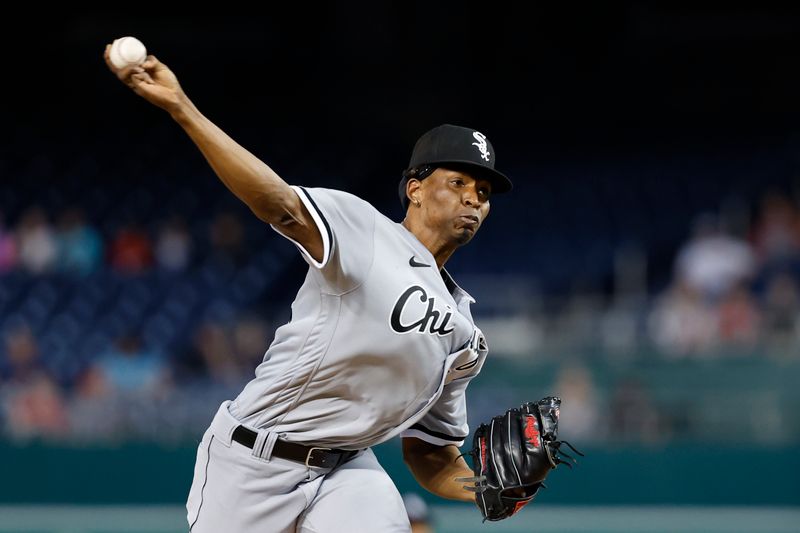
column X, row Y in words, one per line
column 438, row 247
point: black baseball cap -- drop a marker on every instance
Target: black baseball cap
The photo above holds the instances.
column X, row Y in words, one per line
column 457, row 147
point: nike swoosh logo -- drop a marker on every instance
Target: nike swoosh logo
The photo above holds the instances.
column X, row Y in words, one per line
column 413, row 262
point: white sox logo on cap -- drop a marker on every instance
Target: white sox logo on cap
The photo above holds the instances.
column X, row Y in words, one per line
column 481, row 144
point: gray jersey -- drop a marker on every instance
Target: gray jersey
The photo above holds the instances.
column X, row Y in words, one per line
column 380, row 341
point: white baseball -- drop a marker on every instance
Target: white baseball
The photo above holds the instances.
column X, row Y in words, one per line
column 127, row 51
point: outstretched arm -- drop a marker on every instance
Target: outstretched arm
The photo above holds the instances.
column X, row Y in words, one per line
column 436, row 467
column 250, row 179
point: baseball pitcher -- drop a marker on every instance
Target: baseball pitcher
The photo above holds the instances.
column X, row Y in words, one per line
column 381, row 344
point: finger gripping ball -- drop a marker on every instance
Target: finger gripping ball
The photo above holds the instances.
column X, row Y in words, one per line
column 127, row 51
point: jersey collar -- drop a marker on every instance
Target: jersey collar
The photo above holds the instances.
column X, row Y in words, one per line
column 457, row 292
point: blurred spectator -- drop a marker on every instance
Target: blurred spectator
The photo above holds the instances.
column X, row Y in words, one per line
column 32, row 402
column 128, row 367
column 418, row 513
column 131, row 252
column 93, row 384
column 619, row 329
column 8, row 249
column 174, row 245
column 776, row 235
column 36, row 242
column 227, row 238
column 712, row 261
column 250, row 339
column 633, row 417
column 682, row 322
column 36, row 409
column 80, row 247
column 739, row 319
column 95, row 410
column 580, row 418
column 22, row 363
column 782, row 312
column 212, row 355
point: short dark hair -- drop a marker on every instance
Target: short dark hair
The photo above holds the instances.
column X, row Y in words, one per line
column 417, row 173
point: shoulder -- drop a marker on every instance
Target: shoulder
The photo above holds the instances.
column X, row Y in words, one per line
column 336, row 196
column 339, row 207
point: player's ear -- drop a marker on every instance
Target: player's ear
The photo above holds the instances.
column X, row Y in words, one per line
column 413, row 191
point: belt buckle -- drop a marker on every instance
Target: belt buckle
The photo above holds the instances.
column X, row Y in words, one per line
column 308, row 457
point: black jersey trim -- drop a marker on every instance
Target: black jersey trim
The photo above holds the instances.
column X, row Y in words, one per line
column 324, row 222
column 443, row 436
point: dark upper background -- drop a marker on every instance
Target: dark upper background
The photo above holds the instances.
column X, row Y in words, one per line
column 371, row 78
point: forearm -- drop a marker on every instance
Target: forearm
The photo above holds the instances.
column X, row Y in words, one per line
column 436, row 467
column 247, row 177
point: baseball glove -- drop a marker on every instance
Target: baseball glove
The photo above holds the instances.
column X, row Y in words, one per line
column 512, row 455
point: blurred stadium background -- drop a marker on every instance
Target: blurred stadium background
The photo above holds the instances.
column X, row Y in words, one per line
column 646, row 267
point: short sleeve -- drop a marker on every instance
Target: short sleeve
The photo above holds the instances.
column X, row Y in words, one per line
column 347, row 226
column 446, row 422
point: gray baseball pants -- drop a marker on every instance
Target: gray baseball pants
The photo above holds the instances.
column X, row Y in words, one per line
column 237, row 490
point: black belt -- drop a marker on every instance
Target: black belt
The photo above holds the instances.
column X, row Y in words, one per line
column 307, row 455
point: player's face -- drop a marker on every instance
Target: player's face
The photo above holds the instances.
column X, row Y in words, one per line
column 455, row 203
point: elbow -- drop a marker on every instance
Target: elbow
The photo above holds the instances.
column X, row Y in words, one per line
column 275, row 211
column 272, row 215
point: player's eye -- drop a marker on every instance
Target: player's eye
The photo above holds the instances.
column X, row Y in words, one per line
column 458, row 182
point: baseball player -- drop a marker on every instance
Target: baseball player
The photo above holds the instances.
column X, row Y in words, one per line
column 381, row 341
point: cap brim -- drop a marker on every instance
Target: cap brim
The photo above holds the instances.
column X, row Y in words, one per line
column 500, row 182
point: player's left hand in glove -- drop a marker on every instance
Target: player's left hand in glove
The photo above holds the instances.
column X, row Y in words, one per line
column 513, row 454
